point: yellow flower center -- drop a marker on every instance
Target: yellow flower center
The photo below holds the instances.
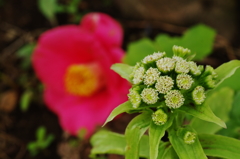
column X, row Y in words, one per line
column 83, row 80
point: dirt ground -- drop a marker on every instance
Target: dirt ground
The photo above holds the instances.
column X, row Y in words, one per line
column 21, row 23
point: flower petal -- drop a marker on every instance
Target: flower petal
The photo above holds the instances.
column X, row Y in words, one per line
column 76, row 113
column 104, row 28
column 55, row 52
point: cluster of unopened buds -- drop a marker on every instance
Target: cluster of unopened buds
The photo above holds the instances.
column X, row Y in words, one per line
column 166, row 84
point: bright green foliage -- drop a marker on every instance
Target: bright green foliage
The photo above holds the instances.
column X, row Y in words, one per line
column 138, row 50
column 41, row 143
column 163, row 93
column 189, row 150
column 199, row 39
column 134, row 132
column 221, row 103
column 235, row 112
column 25, row 100
column 125, row 107
column 220, row 146
column 156, row 132
column 168, row 152
column 25, row 53
column 101, row 144
column 226, row 71
column 169, row 80
column 123, row 69
column 48, row 9
column 233, row 129
column 233, row 80
column 233, row 124
column 70, row 8
column 212, row 145
column 203, row 112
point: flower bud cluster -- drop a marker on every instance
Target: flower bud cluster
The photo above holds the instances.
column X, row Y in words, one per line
column 172, row 81
column 189, row 137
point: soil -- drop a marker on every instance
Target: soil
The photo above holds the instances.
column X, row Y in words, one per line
column 21, row 23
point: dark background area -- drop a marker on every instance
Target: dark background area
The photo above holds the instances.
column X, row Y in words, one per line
column 21, row 23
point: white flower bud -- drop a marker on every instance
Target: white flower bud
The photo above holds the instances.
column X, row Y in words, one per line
column 138, row 75
column 165, row 64
column 194, row 69
column 164, row 84
column 198, row 95
column 180, row 51
column 159, row 117
column 184, row 81
column 174, row 99
column 189, row 137
column 182, row 66
column 149, row 96
column 135, row 98
column 154, row 57
column 151, row 76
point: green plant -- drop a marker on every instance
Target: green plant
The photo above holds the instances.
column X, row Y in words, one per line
column 165, row 91
column 199, row 39
column 49, row 8
column 25, row 53
column 25, row 100
column 41, row 143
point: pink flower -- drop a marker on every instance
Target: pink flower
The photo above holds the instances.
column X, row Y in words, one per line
column 73, row 62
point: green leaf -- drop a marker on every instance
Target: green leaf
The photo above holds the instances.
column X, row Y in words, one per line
column 48, row 9
column 232, row 81
column 25, row 100
column 233, row 125
column 72, row 9
column 144, row 147
column 233, row 129
column 220, row 103
column 60, row 8
column 156, row 132
column 136, row 51
column 123, row 70
column 169, row 153
column 220, row 146
column 186, row 151
column 33, row 148
column 165, row 43
column 40, row 134
column 226, row 70
column 25, row 53
column 48, row 140
column 125, row 107
column 235, row 112
column 134, row 132
column 203, row 112
column 101, row 145
column 199, row 39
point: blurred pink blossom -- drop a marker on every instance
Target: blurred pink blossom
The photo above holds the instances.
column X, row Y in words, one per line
column 73, row 62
